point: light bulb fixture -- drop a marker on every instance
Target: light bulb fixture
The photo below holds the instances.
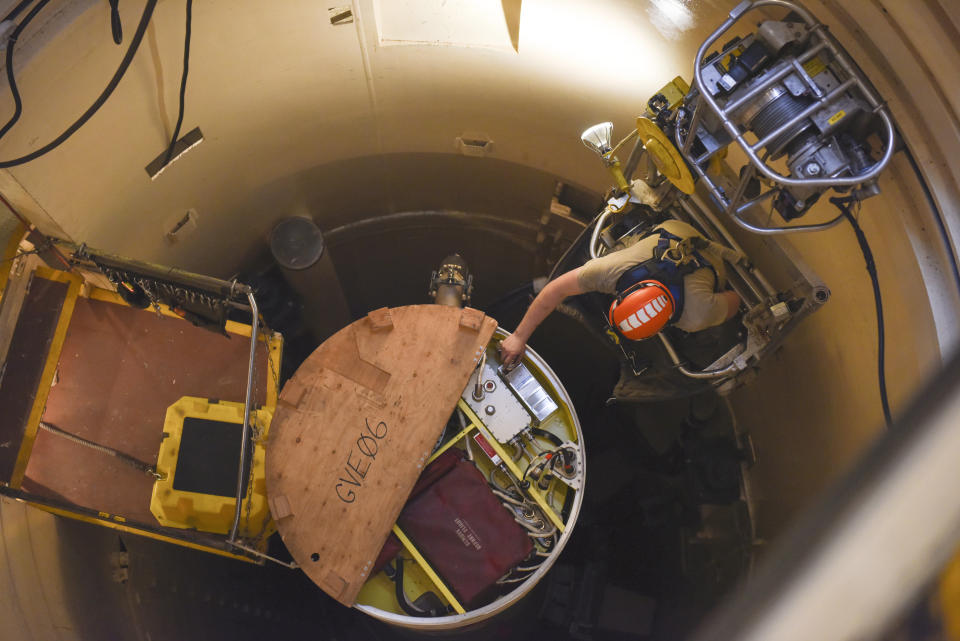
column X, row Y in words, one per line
column 598, row 137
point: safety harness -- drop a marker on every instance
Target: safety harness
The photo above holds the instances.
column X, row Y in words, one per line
column 669, row 265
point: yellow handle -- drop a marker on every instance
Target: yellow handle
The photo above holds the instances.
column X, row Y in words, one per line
column 618, row 177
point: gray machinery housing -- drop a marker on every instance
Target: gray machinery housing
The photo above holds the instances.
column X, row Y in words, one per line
column 785, row 92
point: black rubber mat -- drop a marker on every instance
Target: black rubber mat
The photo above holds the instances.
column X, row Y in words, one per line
column 207, row 462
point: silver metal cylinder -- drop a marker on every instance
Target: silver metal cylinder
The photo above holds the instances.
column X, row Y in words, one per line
column 246, row 413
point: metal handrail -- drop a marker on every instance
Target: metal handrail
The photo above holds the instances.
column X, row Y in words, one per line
column 246, row 416
column 711, row 373
column 597, row 228
column 244, row 444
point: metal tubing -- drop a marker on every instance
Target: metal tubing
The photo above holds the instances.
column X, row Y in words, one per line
column 246, row 413
column 705, row 210
column 735, row 214
column 716, row 373
column 478, row 388
column 742, row 187
column 756, row 200
column 622, row 143
column 769, row 231
column 291, row 565
column 817, row 91
column 596, row 230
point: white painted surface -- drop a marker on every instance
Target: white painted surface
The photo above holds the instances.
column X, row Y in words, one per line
column 453, row 23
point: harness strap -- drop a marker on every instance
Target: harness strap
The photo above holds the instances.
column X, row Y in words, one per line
column 687, row 252
column 669, row 270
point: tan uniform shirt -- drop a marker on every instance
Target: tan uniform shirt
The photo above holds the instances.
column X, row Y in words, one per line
column 702, row 306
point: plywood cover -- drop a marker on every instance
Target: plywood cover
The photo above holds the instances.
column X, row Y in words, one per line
column 353, row 428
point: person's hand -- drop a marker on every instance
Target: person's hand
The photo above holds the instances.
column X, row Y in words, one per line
column 511, row 350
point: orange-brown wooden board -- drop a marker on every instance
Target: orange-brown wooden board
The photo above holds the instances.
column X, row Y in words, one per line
column 353, row 428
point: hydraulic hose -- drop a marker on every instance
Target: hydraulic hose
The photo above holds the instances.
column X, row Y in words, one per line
column 844, row 205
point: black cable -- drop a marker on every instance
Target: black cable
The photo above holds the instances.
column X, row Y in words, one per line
column 11, row 80
column 550, row 436
column 121, row 70
column 116, row 25
column 16, row 10
column 843, row 204
column 183, row 85
column 405, row 604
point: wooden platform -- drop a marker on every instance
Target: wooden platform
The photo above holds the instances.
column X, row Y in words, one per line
column 354, row 427
column 119, row 370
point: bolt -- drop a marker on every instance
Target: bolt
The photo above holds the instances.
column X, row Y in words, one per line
column 490, row 410
column 489, row 386
column 812, row 169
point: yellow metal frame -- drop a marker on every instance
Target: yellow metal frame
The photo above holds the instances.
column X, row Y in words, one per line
column 674, row 92
column 422, row 562
column 9, row 253
column 502, row 453
column 117, row 522
column 75, row 283
column 49, row 369
column 446, row 446
column 209, row 512
column 665, row 155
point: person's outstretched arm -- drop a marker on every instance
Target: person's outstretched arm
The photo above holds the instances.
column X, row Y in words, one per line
column 513, row 346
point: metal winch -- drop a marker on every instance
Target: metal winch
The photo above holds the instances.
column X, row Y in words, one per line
column 787, row 91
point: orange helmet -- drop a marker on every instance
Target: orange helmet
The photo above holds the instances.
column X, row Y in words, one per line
column 642, row 310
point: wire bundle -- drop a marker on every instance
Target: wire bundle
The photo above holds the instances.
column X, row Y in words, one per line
column 132, row 48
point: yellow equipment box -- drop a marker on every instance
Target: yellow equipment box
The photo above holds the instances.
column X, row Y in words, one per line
column 198, row 460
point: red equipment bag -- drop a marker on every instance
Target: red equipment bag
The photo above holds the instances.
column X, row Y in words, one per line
column 462, row 529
